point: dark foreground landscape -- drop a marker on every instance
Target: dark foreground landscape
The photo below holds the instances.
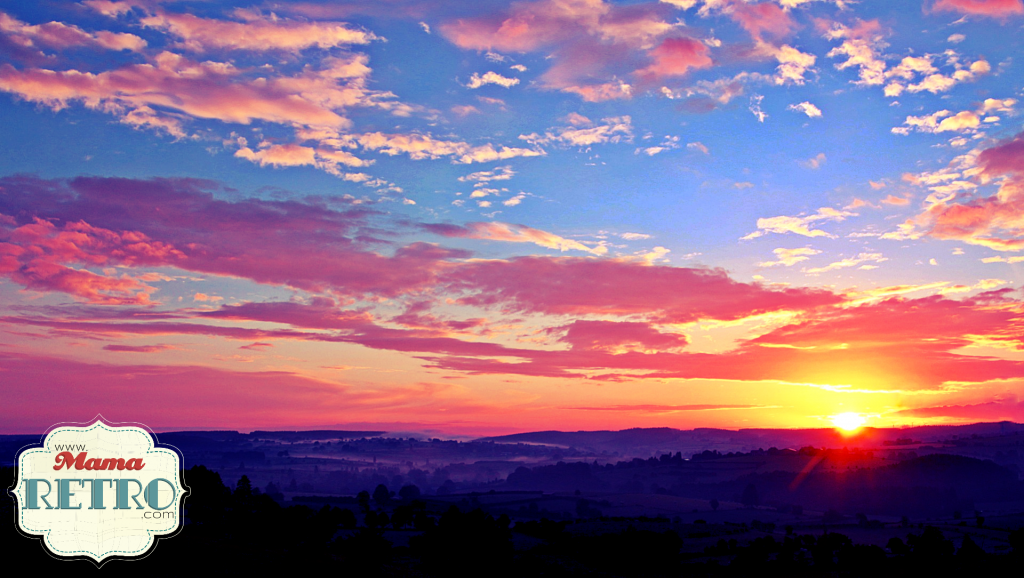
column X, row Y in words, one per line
column 644, row 502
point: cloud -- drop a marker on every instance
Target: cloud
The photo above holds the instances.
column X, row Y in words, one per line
column 758, row 19
column 465, row 110
column 257, row 33
column 956, row 38
column 594, row 46
column 960, row 122
column 62, row 36
column 477, row 80
column 588, row 286
column 676, row 57
column 807, row 108
column 789, row 257
column 41, row 256
column 991, row 8
column 187, row 396
column 204, row 298
column 514, row 234
column 997, row 221
column 635, row 236
column 292, row 155
column 814, row 162
column 257, row 346
column 618, row 337
column 659, row 408
column 424, row 146
column 206, row 90
column 515, row 200
column 983, row 284
column 965, row 121
column 799, row 225
column 895, row 345
column 481, row 178
column 755, row 107
column 698, row 146
column 793, row 64
column 930, row 79
column 669, row 143
column 289, row 155
column 179, row 223
column 581, row 132
column 137, row 348
column 848, row 262
column 861, row 46
column 990, row 411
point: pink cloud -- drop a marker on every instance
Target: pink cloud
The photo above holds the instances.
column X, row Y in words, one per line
column 993, row 8
column 595, row 45
column 256, row 33
column 63, row 36
column 677, row 56
column 757, row 19
column 38, row 254
column 206, row 90
column 258, row 346
column 583, row 286
column 320, row 314
column 994, row 221
column 137, row 348
column 306, row 245
column 619, row 336
column 49, row 390
column 931, row 322
column 896, row 344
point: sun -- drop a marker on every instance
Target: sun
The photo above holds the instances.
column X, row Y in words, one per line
column 848, row 421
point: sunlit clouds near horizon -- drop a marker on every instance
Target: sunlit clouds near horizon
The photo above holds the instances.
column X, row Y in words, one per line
column 481, row 218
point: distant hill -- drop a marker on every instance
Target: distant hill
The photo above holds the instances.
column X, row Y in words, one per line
column 655, row 440
column 211, row 446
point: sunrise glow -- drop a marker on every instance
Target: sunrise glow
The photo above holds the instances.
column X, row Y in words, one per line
column 489, row 217
column 849, row 421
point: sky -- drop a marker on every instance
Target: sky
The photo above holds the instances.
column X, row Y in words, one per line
column 477, row 218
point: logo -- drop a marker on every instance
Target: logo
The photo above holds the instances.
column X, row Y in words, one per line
column 99, row 491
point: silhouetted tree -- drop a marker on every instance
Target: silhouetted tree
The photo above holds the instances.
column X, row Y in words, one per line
column 347, row 519
column 409, row 492
column 463, row 544
column 381, row 495
column 1016, row 540
column 897, row 547
column 970, row 551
